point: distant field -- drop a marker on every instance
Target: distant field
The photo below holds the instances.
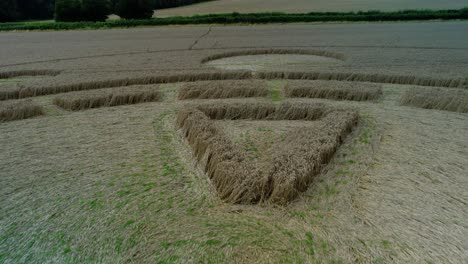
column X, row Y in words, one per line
column 301, row 6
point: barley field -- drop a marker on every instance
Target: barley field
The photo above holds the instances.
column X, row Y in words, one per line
column 304, row 6
column 235, row 144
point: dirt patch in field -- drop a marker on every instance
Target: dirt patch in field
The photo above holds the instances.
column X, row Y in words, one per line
column 300, row 156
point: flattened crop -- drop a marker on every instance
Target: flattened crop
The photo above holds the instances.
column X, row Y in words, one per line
column 298, row 158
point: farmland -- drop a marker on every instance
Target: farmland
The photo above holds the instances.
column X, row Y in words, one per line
column 301, row 6
column 256, row 144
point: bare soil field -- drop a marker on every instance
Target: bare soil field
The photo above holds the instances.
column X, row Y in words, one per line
column 322, row 163
column 304, row 6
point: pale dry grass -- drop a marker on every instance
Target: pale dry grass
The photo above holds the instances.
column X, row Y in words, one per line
column 323, row 53
column 223, row 89
column 454, row 100
column 19, row 109
column 334, row 90
column 300, row 157
column 76, row 101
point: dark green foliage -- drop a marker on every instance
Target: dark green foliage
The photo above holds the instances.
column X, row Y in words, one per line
column 161, row 4
column 465, row 11
column 81, row 10
column 35, row 9
column 67, row 10
column 95, row 10
column 8, row 10
column 113, row 4
column 254, row 18
column 134, row 9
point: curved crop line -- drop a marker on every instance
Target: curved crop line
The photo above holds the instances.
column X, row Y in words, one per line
column 234, row 75
column 323, row 53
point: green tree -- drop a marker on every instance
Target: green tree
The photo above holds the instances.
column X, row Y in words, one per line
column 82, row 10
column 113, row 5
column 35, row 9
column 134, row 9
column 95, row 10
column 68, row 10
column 161, row 4
column 8, row 10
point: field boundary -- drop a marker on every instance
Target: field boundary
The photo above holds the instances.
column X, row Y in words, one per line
column 248, row 18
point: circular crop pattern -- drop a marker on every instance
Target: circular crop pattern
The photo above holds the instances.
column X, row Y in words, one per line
column 260, row 59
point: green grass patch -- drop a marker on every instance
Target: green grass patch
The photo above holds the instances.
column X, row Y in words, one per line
column 386, row 244
column 248, row 18
column 275, row 90
column 276, row 95
column 309, row 241
column 9, row 81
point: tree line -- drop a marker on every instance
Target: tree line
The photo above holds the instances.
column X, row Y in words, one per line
column 13, row 10
column 83, row 10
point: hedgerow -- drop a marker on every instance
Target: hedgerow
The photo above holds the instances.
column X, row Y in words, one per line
column 253, row 18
